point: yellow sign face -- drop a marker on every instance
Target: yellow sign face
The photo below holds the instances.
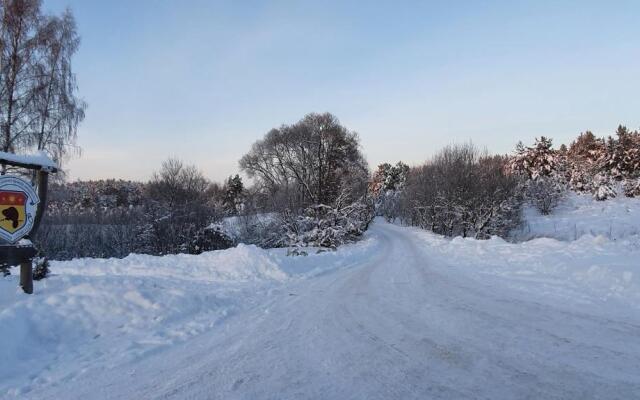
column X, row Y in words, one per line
column 12, row 210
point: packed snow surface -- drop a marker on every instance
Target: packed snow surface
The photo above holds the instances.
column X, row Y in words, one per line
column 403, row 314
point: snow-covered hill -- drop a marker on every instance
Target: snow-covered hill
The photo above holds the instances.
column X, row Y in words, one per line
column 401, row 314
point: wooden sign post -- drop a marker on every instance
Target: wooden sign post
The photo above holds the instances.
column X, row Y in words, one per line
column 21, row 209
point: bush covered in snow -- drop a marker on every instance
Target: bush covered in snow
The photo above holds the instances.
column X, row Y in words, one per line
column 40, row 268
column 327, row 227
column 544, row 193
column 631, row 187
column 462, row 191
column 542, row 170
column 212, row 237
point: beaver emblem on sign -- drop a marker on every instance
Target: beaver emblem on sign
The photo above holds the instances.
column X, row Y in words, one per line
column 18, row 203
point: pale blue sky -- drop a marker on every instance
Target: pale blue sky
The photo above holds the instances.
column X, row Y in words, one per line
column 202, row 80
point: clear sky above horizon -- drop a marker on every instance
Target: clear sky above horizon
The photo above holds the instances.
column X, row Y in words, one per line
column 202, row 80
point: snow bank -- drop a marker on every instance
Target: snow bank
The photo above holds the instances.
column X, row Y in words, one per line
column 580, row 215
column 591, row 271
column 106, row 311
column 242, row 263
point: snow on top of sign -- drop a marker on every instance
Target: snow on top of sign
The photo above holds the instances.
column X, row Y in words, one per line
column 41, row 159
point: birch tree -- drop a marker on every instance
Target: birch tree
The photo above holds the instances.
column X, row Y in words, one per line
column 39, row 106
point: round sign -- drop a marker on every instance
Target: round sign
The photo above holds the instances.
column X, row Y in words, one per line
column 18, row 204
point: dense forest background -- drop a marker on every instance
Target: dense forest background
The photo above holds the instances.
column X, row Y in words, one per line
column 310, row 188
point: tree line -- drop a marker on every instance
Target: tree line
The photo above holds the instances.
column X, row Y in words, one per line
column 460, row 191
column 464, row 191
column 309, row 189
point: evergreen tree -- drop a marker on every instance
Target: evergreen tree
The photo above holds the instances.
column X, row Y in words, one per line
column 537, row 161
column 233, row 196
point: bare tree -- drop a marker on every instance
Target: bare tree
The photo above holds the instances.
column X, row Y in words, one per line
column 309, row 162
column 39, row 109
column 462, row 191
column 56, row 110
column 177, row 184
column 18, row 45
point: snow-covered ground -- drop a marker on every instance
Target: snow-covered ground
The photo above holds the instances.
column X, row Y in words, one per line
column 579, row 215
column 107, row 312
column 402, row 314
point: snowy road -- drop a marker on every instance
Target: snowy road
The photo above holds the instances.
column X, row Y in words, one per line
column 399, row 325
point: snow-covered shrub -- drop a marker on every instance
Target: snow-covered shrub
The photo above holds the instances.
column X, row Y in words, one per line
column 212, row 237
column 40, row 268
column 545, row 192
column 604, row 192
column 543, row 170
column 603, row 188
column 264, row 230
column 632, row 187
column 327, row 227
column 580, row 179
column 462, row 191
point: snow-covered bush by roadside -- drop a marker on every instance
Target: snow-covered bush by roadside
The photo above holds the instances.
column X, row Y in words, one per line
column 212, row 237
column 322, row 226
column 462, row 191
column 631, row 187
column 603, row 188
column 545, row 192
column 542, row 169
column 40, row 268
column 264, row 230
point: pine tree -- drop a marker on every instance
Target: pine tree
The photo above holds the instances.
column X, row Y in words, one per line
column 233, row 196
column 539, row 160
